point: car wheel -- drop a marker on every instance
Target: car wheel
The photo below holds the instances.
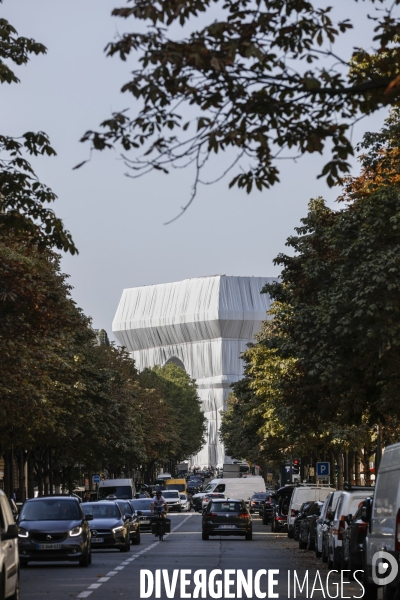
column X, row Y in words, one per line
column 273, row 525
column 324, row 554
column 204, row 535
column 296, row 535
column 389, row 593
column 249, row 536
column 23, row 563
column 302, row 545
column 16, row 595
column 290, row 533
column 310, row 542
column 337, row 560
column 136, row 541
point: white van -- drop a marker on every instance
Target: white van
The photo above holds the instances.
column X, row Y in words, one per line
column 348, row 503
column 120, row 488
column 304, row 493
column 240, row 488
column 383, row 524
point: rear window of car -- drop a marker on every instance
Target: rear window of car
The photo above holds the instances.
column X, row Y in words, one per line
column 386, row 494
column 259, row 496
column 50, row 510
column 226, row 507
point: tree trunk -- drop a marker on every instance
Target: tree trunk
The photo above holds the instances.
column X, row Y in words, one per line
column 21, row 472
column 31, row 479
column 357, row 474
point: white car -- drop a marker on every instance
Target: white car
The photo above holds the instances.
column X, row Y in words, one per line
column 9, row 559
column 185, row 504
column 172, row 498
column 329, row 504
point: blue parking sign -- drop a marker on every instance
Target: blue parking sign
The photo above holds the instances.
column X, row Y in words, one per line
column 96, row 478
column 323, row 469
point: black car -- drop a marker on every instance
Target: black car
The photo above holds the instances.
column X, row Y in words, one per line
column 142, row 508
column 194, row 486
column 108, row 528
column 301, row 515
column 256, row 501
column 54, row 528
column 308, row 526
column 280, row 510
column 353, row 540
column 130, row 517
column 266, row 508
column 227, row 517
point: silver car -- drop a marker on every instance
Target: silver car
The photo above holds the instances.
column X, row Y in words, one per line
column 9, row 560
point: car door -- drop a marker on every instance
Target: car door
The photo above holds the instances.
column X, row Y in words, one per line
column 9, row 548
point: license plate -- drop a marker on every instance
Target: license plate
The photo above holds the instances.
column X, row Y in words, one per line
column 145, row 522
column 48, row 546
column 227, row 526
column 97, row 540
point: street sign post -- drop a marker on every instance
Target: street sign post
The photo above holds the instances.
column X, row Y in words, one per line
column 323, row 469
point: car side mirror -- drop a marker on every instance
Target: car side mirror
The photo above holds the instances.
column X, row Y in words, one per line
column 88, row 517
column 127, row 517
column 11, row 533
column 348, row 519
column 366, row 511
column 330, row 515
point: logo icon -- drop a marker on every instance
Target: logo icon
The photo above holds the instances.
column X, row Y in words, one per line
column 49, row 537
column 384, row 568
column 94, row 533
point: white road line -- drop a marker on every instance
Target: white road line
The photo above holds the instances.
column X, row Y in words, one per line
column 111, row 573
column 84, row 594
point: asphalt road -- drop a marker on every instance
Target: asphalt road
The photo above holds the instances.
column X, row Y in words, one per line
column 114, row 574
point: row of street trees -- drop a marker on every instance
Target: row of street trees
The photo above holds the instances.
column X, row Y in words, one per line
column 322, row 380
column 66, row 401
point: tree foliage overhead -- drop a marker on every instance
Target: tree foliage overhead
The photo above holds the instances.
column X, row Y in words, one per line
column 331, row 353
column 263, row 78
column 23, row 198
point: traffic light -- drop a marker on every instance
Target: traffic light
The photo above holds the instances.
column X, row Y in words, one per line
column 296, row 466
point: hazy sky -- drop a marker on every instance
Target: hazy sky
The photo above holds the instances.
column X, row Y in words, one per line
column 117, row 223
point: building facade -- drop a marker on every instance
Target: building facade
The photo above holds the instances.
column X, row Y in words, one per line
column 203, row 325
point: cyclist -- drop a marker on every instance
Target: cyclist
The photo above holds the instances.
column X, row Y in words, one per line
column 159, row 504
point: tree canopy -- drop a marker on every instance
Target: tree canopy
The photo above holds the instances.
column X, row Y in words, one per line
column 332, row 350
column 263, row 79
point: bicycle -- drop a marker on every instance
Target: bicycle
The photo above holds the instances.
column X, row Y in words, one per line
column 160, row 524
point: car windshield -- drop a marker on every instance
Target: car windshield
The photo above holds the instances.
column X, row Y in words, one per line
column 120, row 491
column 142, row 504
column 226, row 507
column 177, row 486
column 101, row 510
column 125, row 508
column 171, row 494
column 259, row 496
column 182, row 496
column 50, row 510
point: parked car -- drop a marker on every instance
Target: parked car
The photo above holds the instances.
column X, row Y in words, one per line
column 208, row 497
column 299, row 518
column 353, row 539
column 256, row 501
column 227, row 517
column 308, row 526
column 304, row 493
column 132, row 519
column 383, row 519
column 141, row 506
column 108, row 528
column 9, row 559
column 322, row 523
column 266, row 508
column 278, row 519
column 348, row 503
column 54, row 528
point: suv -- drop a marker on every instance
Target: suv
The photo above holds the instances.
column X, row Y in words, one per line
column 9, row 560
column 304, row 493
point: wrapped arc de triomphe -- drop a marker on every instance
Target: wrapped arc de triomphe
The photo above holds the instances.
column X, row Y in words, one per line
column 201, row 324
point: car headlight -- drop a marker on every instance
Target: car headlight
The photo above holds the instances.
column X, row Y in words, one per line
column 23, row 533
column 117, row 529
column 75, row 531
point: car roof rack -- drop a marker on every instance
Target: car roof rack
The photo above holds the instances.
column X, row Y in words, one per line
column 349, row 487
